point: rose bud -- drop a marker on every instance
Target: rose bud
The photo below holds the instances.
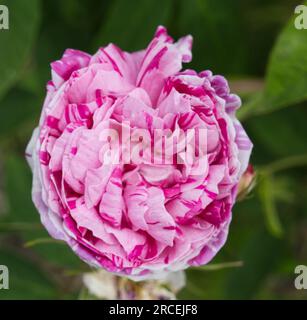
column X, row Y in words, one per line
column 246, row 183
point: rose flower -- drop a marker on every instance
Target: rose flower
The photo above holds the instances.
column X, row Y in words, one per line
column 99, row 189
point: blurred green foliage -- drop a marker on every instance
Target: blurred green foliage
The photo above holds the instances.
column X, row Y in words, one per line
column 243, row 40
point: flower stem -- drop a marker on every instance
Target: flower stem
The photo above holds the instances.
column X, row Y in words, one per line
column 286, row 163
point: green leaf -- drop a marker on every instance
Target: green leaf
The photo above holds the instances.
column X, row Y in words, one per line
column 19, row 226
column 18, row 187
column 260, row 254
column 215, row 26
column 18, row 107
column 39, row 241
column 286, row 80
column 286, row 76
column 131, row 24
column 219, row 266
column 24, row 218
column 266, row 187
column 26, row 281
column 281, row 133
column 16, row 43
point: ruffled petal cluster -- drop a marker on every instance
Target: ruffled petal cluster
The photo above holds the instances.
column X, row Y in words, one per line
column 132, row 217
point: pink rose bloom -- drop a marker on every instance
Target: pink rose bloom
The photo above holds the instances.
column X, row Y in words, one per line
column 139, row 219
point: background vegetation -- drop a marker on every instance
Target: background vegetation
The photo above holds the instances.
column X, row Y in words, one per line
column 254, row 43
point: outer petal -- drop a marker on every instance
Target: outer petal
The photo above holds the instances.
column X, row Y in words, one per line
column 162, row 59
column 72, row 60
